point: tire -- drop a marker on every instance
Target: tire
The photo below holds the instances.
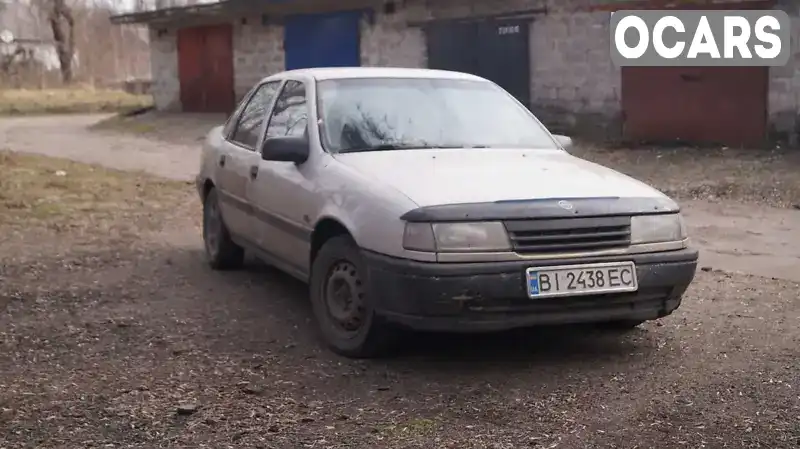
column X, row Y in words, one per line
column 221, row 252
column 621, row 325
column 348, row 324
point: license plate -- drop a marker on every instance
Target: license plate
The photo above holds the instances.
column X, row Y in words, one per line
column 575, row 280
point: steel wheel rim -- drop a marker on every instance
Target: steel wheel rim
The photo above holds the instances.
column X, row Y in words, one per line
column 211, row 228
column 343, row 296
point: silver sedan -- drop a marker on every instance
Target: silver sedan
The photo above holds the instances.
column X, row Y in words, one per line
column 432, row 200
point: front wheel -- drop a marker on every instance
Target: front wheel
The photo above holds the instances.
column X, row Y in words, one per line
column 343, row 304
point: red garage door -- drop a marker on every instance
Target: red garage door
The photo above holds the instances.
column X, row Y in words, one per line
column 205, row 68
column 724, row 105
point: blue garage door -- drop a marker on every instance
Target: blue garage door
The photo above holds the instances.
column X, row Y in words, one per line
column 322, row 40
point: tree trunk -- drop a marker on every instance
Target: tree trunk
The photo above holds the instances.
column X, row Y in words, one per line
column 62, row 23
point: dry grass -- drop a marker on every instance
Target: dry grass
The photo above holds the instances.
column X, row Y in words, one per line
column 42, row 192
column 73, row 100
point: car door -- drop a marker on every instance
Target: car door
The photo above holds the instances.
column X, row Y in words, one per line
column 237, row 155
column 283, row 192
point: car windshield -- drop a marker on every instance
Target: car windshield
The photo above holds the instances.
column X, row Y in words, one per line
column 373, row 114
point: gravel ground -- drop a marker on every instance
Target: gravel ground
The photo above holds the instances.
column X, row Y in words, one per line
column 127, row 339
column 139, row 344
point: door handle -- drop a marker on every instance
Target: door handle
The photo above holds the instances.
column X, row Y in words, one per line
column 253, row 171
column 222, row 160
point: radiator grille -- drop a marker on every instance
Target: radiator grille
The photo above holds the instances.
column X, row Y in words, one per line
column 569, row 234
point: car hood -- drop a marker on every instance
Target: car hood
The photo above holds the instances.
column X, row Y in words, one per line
column 444, row 176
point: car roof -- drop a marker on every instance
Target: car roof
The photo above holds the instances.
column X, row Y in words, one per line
column 326, row 73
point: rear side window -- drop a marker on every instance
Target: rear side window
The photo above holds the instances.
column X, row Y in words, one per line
column 290, row 115
column 248, row 127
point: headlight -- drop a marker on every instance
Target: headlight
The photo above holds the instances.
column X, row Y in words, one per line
column 456, row 237
column 657, row 228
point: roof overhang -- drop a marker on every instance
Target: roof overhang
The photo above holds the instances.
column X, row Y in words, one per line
column 678, row 4
column 230, row 9
column 175, row 14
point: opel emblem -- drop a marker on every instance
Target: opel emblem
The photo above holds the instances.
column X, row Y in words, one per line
column 565, row 205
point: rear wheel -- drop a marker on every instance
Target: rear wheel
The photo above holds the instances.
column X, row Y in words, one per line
column 343, row 304
column 221, row 252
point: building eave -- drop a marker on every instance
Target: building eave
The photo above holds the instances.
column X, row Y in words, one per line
column 177, row 14
column 227, row 9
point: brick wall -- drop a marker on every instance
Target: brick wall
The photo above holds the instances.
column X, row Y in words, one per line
column 257, row 52
column 574, row 86
column 166, row 87
column 784, row 86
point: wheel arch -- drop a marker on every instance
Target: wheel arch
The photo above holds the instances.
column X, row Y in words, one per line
column 208, row 184
column 325, row 229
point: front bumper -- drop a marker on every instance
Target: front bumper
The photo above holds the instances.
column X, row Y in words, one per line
column 492, row 296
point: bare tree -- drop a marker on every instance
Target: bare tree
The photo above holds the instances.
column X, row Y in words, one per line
column 62, row 23
column 93, row 50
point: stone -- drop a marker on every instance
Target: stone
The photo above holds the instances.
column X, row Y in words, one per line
column 188, row 408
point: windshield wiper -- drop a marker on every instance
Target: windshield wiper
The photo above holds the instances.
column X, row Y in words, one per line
column 385, row 147
column 391, row 146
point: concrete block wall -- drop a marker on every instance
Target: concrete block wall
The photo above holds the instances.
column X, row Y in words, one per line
column 166, row 88
column 389, row 42
column 574, row 85
column 784, row 86
column 257, row 52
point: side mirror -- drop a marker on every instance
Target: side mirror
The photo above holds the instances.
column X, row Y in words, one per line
column 564, row 141
column 286, row 149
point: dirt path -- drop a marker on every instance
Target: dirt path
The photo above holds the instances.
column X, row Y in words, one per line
column 68, row 137
column 750, row 239
column 763, row 241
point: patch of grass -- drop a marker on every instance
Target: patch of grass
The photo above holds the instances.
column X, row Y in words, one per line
column 38, row 191
column 409, row 430
column 69, row 100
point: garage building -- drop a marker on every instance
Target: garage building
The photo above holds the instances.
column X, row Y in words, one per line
column 553, row 55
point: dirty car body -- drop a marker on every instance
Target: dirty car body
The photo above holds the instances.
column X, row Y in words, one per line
column 432, row 200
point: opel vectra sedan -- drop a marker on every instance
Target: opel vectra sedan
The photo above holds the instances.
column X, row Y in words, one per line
column 432, row 200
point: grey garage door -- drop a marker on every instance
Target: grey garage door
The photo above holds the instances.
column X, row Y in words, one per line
column 497, row 50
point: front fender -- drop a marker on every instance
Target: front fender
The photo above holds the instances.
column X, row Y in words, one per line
column 369, row 209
